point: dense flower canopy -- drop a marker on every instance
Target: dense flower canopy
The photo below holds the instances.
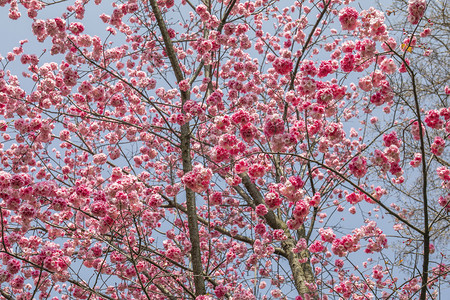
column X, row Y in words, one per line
column 221, row 150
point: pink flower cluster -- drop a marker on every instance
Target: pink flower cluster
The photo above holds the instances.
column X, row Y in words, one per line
column 215, row 199
column 327, row 235
column 349, row 243
column 280, row 142
column 184, row 85
column 274, row 125
column 391, row 139
column 76, row 28
column 307, row 86
column 193, row 108
column 445, row 202
column 372, row 25
column 202, row 10
column 282, row 65
column 433, row 119
column 241, row 117
column 256, row 170
column 241, row 166
column 292, row 189
column 215, row 100
column 348, row 62
column 301, row 211
column 353, row 198
column 308, row 68
column 20, row 180
column 443, row 173
column 273, row 200
column 98, row 208
column 100, row 159
column 316, row 247
column 219, row 154
column 365, row 83
column 348, row 17
column 366, row 47
column 324, row 96
column 334, row 132
column 327, row 67
column 415, row 130
column 358, row 166
column 388, row 66
column 198, row 179
column 248, row 132
column 154, row 200
column 278, row 235
column 438, row 146
column 261, row 210
column 416, row 10
column 416, row 161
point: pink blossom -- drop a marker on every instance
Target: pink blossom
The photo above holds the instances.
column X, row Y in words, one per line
column 282, row 65
column 260, row 228
column 324, row 96
column 348, row 17
column 347, row 63
column 308, row 68
column 276, row 293
column 327, row 235
column 278, row 235
column 220, row 291
column 27, row 211
column 301, row 210
column 445, row 202
column 272, row 200
column 416, row 161
column 334, row 132
column 316, row 247
column 184, row 85
column 415, row 130
column 5, row 276
column 426, row 32
column 358, row 166
column 391, row 139
column 274, row 125
column 353, row 198
column 99, row 208
column 256, row 170
column 17, row 282
column 365, row 83
column 433, row 119
column 100, row 159
column 366, row 48
column 388, row 66
column 155, row 200
column 198, row 179
column 416, row 10
column 241, row 166
column 325, row 68
column 306, row 86
column 215, row 198
column 438, row 146
column 443, row 173
column 352, row 210
column 76, row 28
column 261, row 210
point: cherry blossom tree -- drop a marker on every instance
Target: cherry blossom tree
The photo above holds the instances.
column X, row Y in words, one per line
column 221, row 150
column 429, row 53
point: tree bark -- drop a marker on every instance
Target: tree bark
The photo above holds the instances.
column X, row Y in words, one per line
column 185, row 146
column 302, row 273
